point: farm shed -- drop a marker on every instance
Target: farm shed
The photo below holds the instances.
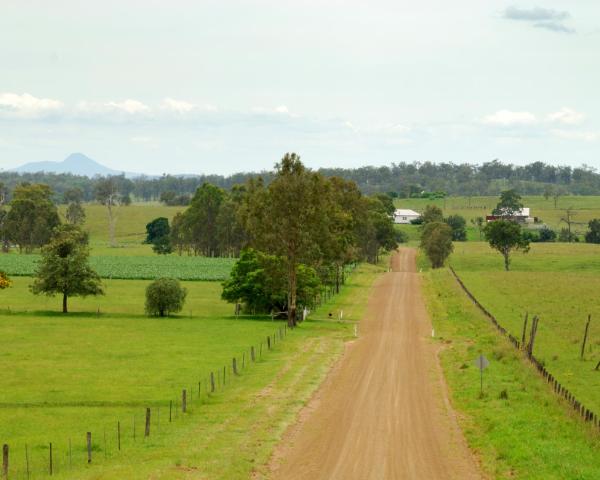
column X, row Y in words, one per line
column 405, row 216
column 521, row 216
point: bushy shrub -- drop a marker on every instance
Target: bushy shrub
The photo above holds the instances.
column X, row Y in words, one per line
column 164, row 296
column 5, row 282
column 547, row 235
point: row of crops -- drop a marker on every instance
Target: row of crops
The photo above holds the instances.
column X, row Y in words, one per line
column 134, row 267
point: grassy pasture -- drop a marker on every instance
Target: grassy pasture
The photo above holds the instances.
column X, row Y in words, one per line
column 558, row 282
column 130, row 228
column 65, row 375
column 586, row 207
column 531, row 434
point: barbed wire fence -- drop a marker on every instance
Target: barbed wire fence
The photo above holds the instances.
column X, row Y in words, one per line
column 584, row 413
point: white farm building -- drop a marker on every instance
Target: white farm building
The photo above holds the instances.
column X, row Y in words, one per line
column 405, row 216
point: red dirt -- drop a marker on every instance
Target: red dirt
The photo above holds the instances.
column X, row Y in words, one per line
column 383, row 412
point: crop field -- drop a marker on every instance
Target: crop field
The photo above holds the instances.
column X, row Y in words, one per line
column 519, row 428
column 139, row 267
column 560, row 284
column 107, row 362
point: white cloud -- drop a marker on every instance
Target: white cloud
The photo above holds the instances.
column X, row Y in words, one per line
column 278, row 110
column 128, row 107
column 27, row 106
column 507, row 118
column 566, row 116
column 178, row 106
column 576, row 135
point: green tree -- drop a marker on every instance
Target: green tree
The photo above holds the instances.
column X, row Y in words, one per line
column 458, row 224
column 259, row 281
column 547, row 235
column 436, row 242
column 199, row 221
column 75, row 213
column 162, row 245
column 165, row 296
column 506, row 237
column 156, row 229
column 113, row 192
column 479, row 222
column 286, row 219
column 509, row 205
column 593, row 234
column 32, row 216
column 3, row 213
column 64, row 267
column 432, row 214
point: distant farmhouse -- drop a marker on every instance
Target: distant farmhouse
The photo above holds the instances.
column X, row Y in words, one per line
column 405, row 216
column 520, row 216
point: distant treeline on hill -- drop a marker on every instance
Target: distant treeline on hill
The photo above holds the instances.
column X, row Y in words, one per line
column 401, row 179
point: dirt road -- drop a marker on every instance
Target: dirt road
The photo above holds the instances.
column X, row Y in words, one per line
column 383, row 412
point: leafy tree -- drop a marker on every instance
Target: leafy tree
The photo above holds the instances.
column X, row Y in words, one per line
column 568, row 219
column 436, row 242
column 32, row 216
column 75, row 213
column 259, row 281
column 566, row 236
column 165, row 296
column 162, row 245
column 458, row 224
column 593, row 234
column 479, row 222
column 5, row 282
column 157, row 228
column 200, row 220
column 387, row 202
column 112, row 192
column 286, row 219
column 3, row 214
column 509, row 205
column 64, row 267
column 547, row 235
column 506, row 236
column 432, row 214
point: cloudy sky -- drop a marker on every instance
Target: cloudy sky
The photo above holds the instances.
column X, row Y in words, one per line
column 216, row 87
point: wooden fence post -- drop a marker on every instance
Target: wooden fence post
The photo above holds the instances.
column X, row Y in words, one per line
column 89, row 446
column 170, row 411
column 50, row 460
column 524, row 330
column 184, row 400
column 212, row 382
column 119, row 436
column 234, row 366
column 147, row 429
column 252, row 353
column 268, row 342
column 5, row 460
column 585, row 335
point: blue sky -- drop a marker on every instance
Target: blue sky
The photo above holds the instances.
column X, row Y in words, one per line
column 218, row 87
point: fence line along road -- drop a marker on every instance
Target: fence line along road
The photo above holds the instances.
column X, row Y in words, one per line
column 583, row 412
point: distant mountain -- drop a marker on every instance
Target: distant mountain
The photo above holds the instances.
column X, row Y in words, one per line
column 76, row 163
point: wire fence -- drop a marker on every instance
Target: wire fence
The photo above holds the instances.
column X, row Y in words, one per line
column 26, row 462
column 559, row 389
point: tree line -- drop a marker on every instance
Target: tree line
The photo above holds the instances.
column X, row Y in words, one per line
column 293, row 235
column 403, row 179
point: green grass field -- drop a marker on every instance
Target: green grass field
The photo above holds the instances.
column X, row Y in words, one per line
column 66, row 375
column 531, row 434
column 558, row 282
column 586, row 208
column 131, row 224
